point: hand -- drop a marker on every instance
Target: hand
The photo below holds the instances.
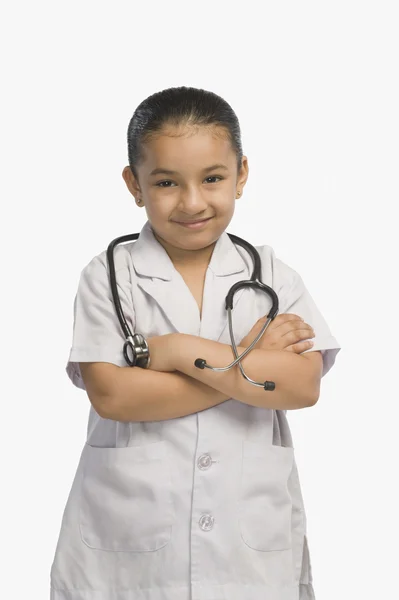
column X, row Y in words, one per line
column 285, row 332
column 162, row 349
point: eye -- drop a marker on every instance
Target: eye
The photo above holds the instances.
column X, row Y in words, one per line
column 166, row 181
column 214, row 177
column 160, row 183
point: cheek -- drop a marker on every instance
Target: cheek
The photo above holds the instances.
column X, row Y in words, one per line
column 227, row 207
column 162, row 195
column 159, row 202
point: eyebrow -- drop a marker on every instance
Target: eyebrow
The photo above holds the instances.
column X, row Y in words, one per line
column 169, row 172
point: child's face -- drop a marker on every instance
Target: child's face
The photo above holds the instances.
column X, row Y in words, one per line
column 192, row 192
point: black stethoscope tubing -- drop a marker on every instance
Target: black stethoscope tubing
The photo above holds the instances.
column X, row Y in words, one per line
column 133, row 341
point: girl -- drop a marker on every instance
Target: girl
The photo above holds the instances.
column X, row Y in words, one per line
column 187, row 486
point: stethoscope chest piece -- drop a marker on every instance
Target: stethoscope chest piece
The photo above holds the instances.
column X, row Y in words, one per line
column 136, row 351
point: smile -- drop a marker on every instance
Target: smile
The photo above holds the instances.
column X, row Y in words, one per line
column 194, row 224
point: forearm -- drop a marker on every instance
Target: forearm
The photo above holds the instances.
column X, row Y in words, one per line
column 145, row 395
column 295, row 386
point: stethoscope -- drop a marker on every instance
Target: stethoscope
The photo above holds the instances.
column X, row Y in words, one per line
column 136, row 350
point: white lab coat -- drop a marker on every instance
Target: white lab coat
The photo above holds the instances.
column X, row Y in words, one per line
column 202, row 507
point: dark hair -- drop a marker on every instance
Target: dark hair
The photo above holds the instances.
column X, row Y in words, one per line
column 180, row 106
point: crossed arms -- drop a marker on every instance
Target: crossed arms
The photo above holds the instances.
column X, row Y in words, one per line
column 180, row 388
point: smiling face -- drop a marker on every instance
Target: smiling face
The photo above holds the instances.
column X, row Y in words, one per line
column 179, row 182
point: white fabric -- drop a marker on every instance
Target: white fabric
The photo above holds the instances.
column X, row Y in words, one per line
column 202, row 507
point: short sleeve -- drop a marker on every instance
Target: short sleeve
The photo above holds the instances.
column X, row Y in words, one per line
column 295, row 298
column 97, row 334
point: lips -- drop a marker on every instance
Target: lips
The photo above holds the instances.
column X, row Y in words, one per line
column 191, row 222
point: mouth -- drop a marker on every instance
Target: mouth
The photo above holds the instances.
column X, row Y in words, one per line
column 193, row 224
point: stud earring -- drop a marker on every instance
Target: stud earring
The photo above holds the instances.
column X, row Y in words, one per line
column 239, row 193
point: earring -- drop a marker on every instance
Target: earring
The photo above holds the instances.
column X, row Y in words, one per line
column 239, row 193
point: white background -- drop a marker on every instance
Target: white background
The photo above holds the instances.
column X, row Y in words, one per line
column 315, row 87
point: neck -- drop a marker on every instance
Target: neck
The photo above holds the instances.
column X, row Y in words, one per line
column 190, row 259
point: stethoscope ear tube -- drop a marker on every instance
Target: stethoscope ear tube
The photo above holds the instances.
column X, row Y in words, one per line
column 112, row 280
column 201, row 363
column 254, row 282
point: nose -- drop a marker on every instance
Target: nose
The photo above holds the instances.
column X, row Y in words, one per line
column 192, row 202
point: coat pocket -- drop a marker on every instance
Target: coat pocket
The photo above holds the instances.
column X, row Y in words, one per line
column 126, row 498
column 265, row 501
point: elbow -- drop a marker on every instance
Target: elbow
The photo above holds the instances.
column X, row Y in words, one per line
column 310, row 395
column 311, row 401
column 113, row 409
column 105, row 407
column 99, row 380
column 298, row 402
column 313, row 396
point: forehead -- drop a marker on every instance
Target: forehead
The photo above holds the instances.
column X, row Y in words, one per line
column 188, row 147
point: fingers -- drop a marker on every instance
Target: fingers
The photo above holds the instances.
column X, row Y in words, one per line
column 280, row 320
column 287, row 331
column 300, row 347
column 292, row 322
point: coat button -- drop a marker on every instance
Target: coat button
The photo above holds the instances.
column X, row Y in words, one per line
column 206, row 522
column 204, row 461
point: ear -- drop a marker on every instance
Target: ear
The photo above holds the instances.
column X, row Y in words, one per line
column 243, row 174
column 131, row 181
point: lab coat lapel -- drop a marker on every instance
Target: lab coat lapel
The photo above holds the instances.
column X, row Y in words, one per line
column 226, row 268
column 159, row 278
column 176, row 302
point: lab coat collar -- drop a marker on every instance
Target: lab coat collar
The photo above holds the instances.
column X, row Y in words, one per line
column 150, row 258
column 157, row 277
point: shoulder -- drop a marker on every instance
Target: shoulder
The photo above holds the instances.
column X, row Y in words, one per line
column 280, row 274
column 98, row 266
